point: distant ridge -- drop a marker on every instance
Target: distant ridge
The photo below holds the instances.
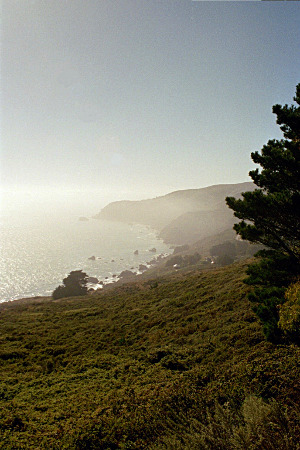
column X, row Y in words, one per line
column 181, row 216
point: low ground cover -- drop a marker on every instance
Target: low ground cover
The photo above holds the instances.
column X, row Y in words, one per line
column 175, row 362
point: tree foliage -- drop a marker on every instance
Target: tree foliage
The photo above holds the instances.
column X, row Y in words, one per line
column 183, row 261
column 73, row 285
column 289, row 313
column 270, row 215
column 225, row 260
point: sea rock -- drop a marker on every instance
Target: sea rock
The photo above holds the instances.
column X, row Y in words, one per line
column 153, row 261
column 142, row 267
column 153, row 250
column 93, row 280
column 127, row 274
column 136, row 252
column 83, row 219
column 92, row 258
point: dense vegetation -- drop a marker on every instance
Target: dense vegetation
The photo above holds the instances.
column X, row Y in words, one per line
column 182, row 261
column 173, row 363
column 73, row 285
column 270, row 215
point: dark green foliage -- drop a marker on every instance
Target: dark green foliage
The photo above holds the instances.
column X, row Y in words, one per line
column 74, row 285
column 192, row 259
column 270, row 216
column 225, row 260
column 59, row 292
column 272, row 269
column 183, row 261
column 289, row 314
column 266, row 307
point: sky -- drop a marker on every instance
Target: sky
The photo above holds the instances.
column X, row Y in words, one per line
column 132, row 99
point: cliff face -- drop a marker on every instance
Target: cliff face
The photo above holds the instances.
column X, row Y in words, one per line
column 181, row 216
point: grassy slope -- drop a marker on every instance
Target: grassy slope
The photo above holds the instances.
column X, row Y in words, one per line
column 178, row 362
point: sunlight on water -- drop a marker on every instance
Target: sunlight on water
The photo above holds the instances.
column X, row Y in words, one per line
column 40, row 246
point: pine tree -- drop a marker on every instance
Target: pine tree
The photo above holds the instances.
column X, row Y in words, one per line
column 270, row 215
column 73, row 285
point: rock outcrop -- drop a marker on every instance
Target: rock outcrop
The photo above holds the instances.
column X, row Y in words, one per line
column 93, row 280
column 127, row 274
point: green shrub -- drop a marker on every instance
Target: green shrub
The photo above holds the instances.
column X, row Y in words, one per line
column 225, row 260
column 289, row 313
column 183, row 261
column 257, row 425
column 74, row 285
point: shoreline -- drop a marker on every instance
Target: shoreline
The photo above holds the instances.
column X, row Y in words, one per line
column 108, row 285
column 112, row 281
column 103, row 270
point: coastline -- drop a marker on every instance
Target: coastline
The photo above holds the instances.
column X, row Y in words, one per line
column 117, row 281
column 52, row 252
column 124, row 274
column 131, row 276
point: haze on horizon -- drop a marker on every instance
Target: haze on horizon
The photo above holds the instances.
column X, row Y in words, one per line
column 133, row 99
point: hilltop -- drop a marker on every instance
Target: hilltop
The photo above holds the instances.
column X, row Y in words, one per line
column 178, row 361
column 182, row 216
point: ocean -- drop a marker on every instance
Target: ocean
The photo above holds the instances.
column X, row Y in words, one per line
column 39, row 249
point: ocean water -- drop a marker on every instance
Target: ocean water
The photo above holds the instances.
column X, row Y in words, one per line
column 39, row 250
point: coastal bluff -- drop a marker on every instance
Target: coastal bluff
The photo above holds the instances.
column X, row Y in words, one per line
column 182, row 216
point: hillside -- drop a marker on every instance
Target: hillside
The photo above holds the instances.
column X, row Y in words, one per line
column 192, row 226
column 161, row 212
column 176, row 362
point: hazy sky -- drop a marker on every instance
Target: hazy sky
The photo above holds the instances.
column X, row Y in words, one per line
column 139, row 98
